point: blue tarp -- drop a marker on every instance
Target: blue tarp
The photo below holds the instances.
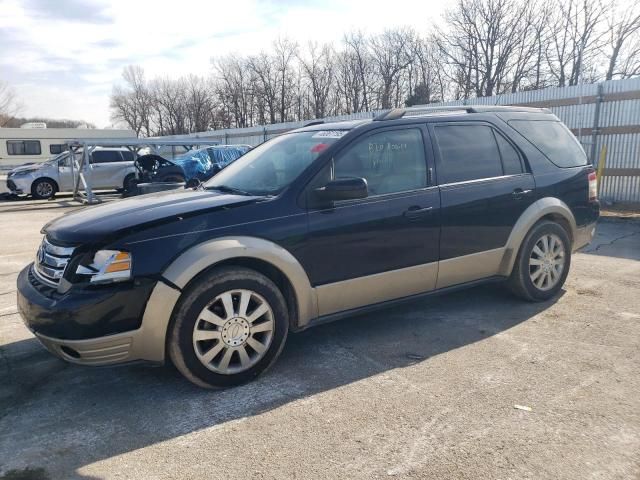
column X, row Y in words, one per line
column 206, row 162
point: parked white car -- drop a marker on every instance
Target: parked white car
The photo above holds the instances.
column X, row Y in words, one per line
column 110, row 168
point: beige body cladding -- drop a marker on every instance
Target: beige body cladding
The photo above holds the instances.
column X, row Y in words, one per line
column 148, row 342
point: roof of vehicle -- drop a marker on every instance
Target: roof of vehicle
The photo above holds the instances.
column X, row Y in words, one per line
column 421, row 111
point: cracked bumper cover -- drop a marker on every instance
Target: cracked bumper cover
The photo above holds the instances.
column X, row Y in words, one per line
column 87, row 327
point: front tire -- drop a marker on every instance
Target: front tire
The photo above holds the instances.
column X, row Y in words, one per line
column 542, row 264
column 43, row 188
column 229, row 327
column 130, row 184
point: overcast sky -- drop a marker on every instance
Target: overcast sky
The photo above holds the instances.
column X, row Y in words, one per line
column 63, row 56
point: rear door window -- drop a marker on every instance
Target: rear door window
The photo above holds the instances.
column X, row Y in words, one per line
column 467, row 152
column 106, row 156
column 128, row 156
column 554, row 140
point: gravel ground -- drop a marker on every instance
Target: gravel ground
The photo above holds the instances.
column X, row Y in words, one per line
column 426, row 390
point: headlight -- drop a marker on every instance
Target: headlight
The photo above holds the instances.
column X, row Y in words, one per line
column 21, row 173
column 108, row 266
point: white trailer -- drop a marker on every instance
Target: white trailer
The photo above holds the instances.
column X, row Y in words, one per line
column 19, row 146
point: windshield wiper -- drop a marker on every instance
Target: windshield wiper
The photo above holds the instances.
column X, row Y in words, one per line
column 228, row 189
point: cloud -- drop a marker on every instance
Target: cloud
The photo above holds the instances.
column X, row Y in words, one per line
column 63, row 56
column 68, row 10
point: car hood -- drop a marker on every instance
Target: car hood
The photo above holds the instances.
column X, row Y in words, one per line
column 104, row 222
column 28, row 168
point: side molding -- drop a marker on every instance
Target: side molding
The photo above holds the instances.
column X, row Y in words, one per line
column 380, row 287
column 537, row 210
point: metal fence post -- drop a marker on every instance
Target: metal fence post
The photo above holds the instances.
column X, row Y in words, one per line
column 595, row 130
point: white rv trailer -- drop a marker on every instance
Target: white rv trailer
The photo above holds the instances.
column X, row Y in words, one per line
column 19, row 146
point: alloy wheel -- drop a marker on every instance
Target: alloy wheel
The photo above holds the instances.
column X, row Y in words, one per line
column 233, row 332
column 546, row 262
column 44, row 189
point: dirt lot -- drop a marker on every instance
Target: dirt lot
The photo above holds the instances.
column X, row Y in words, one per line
column 426, row 390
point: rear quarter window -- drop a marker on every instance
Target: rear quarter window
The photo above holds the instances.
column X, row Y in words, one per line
column 554, row 140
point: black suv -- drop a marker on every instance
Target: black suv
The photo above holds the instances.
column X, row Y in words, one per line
column 313, row 225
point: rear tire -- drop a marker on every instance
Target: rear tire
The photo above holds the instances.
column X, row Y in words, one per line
column 43, row 189
column 542, row 264
column 229, row 327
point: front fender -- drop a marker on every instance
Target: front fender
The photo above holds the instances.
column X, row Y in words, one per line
column 202, row 256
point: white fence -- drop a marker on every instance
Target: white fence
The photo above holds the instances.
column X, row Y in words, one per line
column 601, row 115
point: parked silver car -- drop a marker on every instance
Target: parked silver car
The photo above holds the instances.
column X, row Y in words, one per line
column 110, row 168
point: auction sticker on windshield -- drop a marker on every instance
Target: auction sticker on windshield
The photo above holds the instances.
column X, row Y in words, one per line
column 330, row 134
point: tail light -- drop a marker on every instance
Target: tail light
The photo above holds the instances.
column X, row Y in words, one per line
column 593, row 187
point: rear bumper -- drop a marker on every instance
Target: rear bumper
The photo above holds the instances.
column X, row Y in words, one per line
column 584, row 235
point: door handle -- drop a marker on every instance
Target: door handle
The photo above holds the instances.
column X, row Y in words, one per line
column 518, row 193
column 416, row 212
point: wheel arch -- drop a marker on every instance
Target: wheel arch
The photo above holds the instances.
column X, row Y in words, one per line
column 261, row 255
column 550, row 208
column 55, row 184
column 270, row 271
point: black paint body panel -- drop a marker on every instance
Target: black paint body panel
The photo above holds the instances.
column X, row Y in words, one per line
column 347, row 240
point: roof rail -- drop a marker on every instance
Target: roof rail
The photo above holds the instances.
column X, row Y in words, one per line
column 314, row 122
column 397, row 113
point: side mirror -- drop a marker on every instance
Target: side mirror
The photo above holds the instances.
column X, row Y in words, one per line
column 343, row 189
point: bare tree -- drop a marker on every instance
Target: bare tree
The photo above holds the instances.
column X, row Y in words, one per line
column 486, row 44
column 285, row 53
column 132, row 104
column 318, row 69
column 576, row 38
column 485, row 47
column 234, row 86
column 359, row 57
column 390, row 52
column 9, row 105
column 623, row 42
column 266, row 84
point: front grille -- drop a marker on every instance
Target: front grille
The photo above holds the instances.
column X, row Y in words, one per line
column 51, row 262
column 11, row 185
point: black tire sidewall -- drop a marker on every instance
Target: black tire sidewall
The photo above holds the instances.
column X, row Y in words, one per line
column 129, row 185
column 34, row 187
column 195, row 300
column 532, row 238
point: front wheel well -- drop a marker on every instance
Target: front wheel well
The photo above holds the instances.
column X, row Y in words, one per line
column 54, row 183
column 272, row 273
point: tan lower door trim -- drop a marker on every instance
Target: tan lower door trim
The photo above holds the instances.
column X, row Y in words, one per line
column 467, row 268
column 380, row 287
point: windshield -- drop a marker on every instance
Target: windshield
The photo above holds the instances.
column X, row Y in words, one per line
column 57, row 157
column 269, row 168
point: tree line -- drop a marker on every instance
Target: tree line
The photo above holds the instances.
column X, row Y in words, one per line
column 482, row 48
